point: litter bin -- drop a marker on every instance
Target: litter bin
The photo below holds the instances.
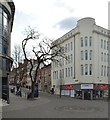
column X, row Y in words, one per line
column 12, row 89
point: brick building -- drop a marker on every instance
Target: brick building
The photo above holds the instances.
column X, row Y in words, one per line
column 46, row 78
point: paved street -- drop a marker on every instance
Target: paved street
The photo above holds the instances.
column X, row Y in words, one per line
column 51, row 106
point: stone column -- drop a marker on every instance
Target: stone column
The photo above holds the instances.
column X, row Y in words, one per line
column 82, row 94
column 91, row 94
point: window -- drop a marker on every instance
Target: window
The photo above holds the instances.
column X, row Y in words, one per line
column 107, row 71
column 81, row 69
column 71, row 46
column 90, row 55
column 71, row 71
column 107, row 58
column 90, row 69
column 66, row 71
column 68, row 46
column 104, row 44
column 71, row 58
column 107, row 45
column 85, row 41
column 62, row 73
column 81, row 55
column 90, row 41
column 101, row 43
column 86, row 56
column 81, row 42
column 86, row 69
column 57, row 74
column 102, row 70
column 3, row 64
column 0, row 48
column 68, row 59
column 102, row 57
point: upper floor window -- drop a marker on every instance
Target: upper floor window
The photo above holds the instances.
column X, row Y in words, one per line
column 71, row 58
column 90, row 69
column 81, row 69
column 90, row 55
column 102, row 57
column 71, row 46
column 68, row 46
column 81, row 55
column 101, row 43
column 81, row 42
column 102, row 70
column 104, row 44
column 86, row 69
column 86, row 55
column 107, row 71
column 90, row 41
column 66, row 71
column 71, row 71
column 107, row 45
column 85, row 41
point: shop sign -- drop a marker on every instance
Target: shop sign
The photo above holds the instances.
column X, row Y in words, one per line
column 101, row 86
column 69, row 87
column 86, row 86
column 104, row 87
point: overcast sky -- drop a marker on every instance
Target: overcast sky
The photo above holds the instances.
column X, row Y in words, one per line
column 54, row 18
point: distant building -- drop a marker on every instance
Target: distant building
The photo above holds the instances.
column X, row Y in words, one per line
column 46, row 78
column 85, row 71
column 7, row 10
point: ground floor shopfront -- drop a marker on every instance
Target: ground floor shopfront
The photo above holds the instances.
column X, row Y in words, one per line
column 86, row 91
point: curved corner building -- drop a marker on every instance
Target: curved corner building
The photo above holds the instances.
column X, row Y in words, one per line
column 7, row 10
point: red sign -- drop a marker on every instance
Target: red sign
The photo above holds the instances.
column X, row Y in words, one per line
column 69, row 87
column 103, row 86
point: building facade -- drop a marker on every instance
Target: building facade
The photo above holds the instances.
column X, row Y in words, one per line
column 46, row 78
column 7, row 10
column 84, row 72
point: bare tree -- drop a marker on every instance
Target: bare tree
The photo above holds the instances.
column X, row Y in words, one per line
column 44, row 52
column 17, row 55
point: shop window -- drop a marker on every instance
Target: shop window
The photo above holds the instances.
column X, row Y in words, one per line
column 0, row 48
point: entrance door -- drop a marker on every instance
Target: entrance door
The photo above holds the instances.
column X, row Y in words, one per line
column 87, row 94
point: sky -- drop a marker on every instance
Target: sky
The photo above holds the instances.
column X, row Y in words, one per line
column 54, row 18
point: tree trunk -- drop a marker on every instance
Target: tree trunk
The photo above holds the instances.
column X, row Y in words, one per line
column 33, row 89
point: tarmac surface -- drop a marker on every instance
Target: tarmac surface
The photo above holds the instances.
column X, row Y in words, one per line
column 52, row 106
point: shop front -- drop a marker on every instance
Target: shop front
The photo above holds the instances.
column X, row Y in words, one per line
column 71, row 90
column 87, row 91
column 100, row 91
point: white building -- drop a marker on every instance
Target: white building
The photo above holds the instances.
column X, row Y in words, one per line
column 85, row 73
